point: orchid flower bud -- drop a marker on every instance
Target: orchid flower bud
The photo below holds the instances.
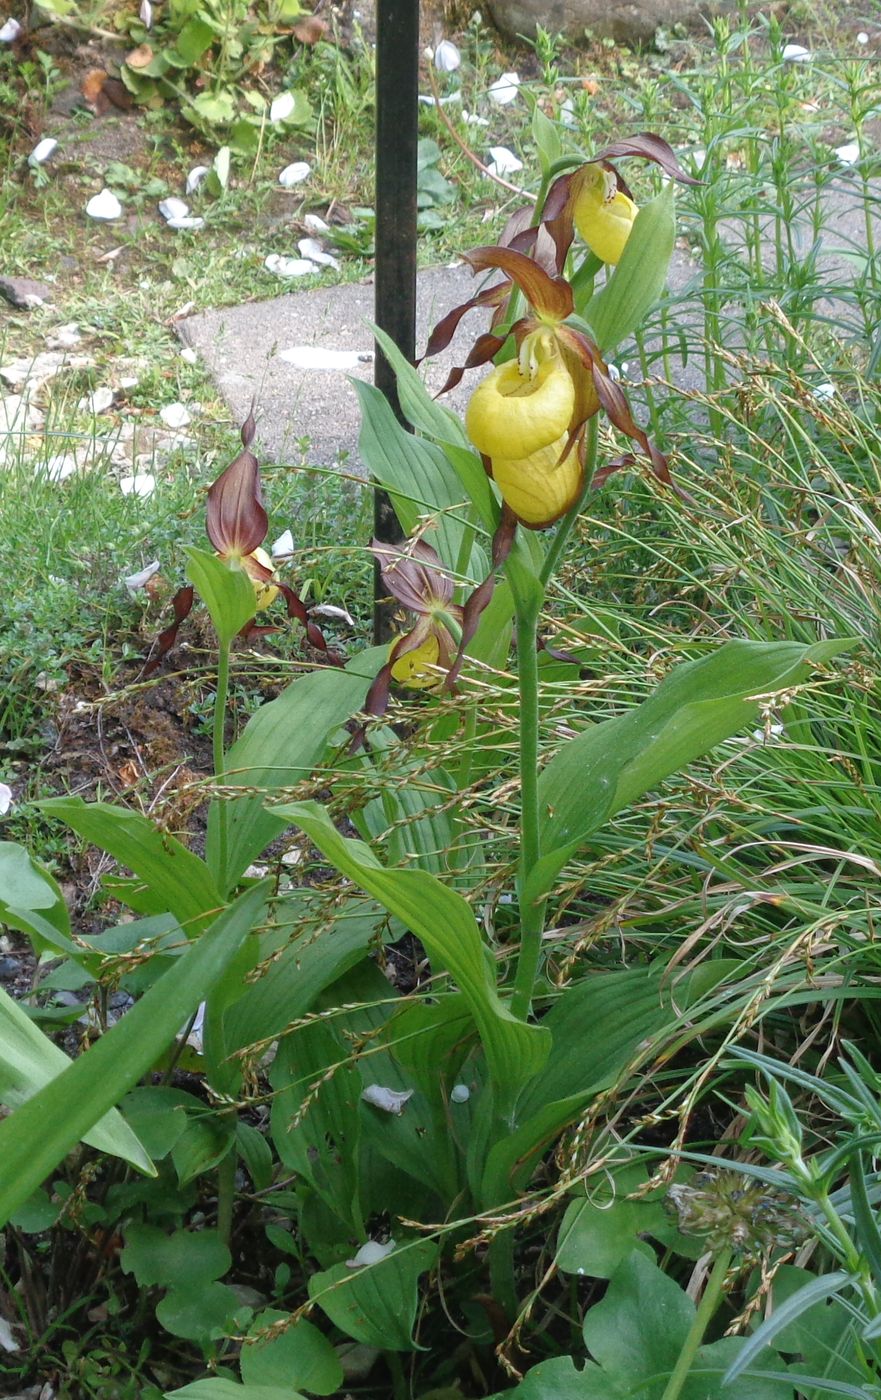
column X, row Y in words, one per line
column 603, row 213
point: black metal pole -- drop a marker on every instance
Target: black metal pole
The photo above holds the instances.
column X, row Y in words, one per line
column 397, row 125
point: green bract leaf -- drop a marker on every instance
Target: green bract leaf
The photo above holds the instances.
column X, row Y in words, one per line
column 227, row 593
column 638, row 280
column 35, row 1138
column 444, row 922
column 31, row 901
column 612, row 764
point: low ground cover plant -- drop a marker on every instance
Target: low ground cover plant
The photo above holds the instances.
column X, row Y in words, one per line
column 507, row 1027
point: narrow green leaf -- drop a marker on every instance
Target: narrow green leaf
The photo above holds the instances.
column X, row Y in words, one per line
column 637, row 282
column 782, row 1316
column 35, row 1138
column 444, row 922
column 29, row 1060
column 614, row 763
column 227, row 593
column 31, row 900
column 178, row 877
column 419, row 408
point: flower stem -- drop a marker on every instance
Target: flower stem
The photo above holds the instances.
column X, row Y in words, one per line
column 221, row 694
column 531, row 914
column 226, row 1193
column 702, row 1318
column 565, row 527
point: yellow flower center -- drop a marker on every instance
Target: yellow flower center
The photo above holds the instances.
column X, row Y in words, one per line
column 265, row 592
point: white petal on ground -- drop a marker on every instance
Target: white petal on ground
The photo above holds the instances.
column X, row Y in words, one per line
column 142, row 484
column 389, row 1100
column 282, row 106
column 848, row 154
column 504, row 90
column 295, row 174
column 316, row 357
column 472, row 119
column 194, row 1039
column 289, row 267
column 862, row 37
column 283, row 547
column 824, row 392
column 503, row 161
column 460, row 1093
column 371, row 1253
column 310, row 248
column 292, row 857
column 189, row 355
column 429, row 100
column 5, row 804
column 64, row 337
column 104, row 206
column 9, row 31
column 173, row 208
column 796, row 53
column 135, row 582
column 58, row 467
column 42, row 151
column 313, row 224
column 567, row 114
column 190, row 221
column 175, row 415
column 146, row 14
column 98, row 401
column 195, row 178
column 447, row 57
column 332, row 613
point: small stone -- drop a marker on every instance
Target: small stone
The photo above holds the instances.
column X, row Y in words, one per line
column 460, row 1093
column 175, row 415
column 862, row 37
column 24, row 293
column 65, row 337
column 104, row 206
column 98, row 401
column 9, row 968
column 295, row 174
column 42, row 151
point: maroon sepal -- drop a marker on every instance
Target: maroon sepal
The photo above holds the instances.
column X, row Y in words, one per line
column 550, row 295
column 614, row 401
column 485, row 347
column 480, row 598
column 446, row 328
column 297, row 610
column 236, row 522
column 182, row 603
column 541, row 645
column 649, row 147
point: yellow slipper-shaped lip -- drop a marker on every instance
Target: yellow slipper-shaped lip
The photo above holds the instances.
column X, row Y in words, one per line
column 512, row 415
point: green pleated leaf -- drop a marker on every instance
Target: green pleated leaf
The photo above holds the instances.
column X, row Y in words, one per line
column 35, row 1138
column 696, row 707
column 174, row 875
column 376, row 1304
column 31, row 901
column 444, row 922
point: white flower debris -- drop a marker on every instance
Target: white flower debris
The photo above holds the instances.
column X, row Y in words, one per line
column 283, row 547
column 389, row 1100
column 188, row 221
column 295, row 174
column 796, row 53
column 146, row 14
column 503, row 162
column 173, row 208
column 310, row 248
column 332, row 613
column 316, row 357
column 848, row 154
column 824, row 392
column 5, row 799
column 104, row 206
column 313, row 224
column 136, row 582
column 371, row 1253
column 862, row 37
column 42, row 151
column 195, row 178
column 460, row 1093
column 289, row 267
column 504, row 90
column 447, row 57
column 9, row 31
column 282, row 106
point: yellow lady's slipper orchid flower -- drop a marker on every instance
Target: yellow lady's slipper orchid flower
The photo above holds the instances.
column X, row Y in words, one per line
column 540, row 488
column 514, row 413
column 416, row 668
column 255, row 565
column 603, row 213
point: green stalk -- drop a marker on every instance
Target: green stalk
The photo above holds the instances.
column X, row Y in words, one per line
column 218, row 750
column 531, row 915
column 702, row 1318
column 226, row 1193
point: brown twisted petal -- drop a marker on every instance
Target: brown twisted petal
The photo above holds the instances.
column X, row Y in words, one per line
column 413, row 574
column 182, row 603
column 550, row 296
column 650, row 147
column 445, row 329
column 297, row 610
column 482, row 594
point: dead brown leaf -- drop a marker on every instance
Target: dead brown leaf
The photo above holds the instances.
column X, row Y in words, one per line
column 140, row 57
column 310, row 30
